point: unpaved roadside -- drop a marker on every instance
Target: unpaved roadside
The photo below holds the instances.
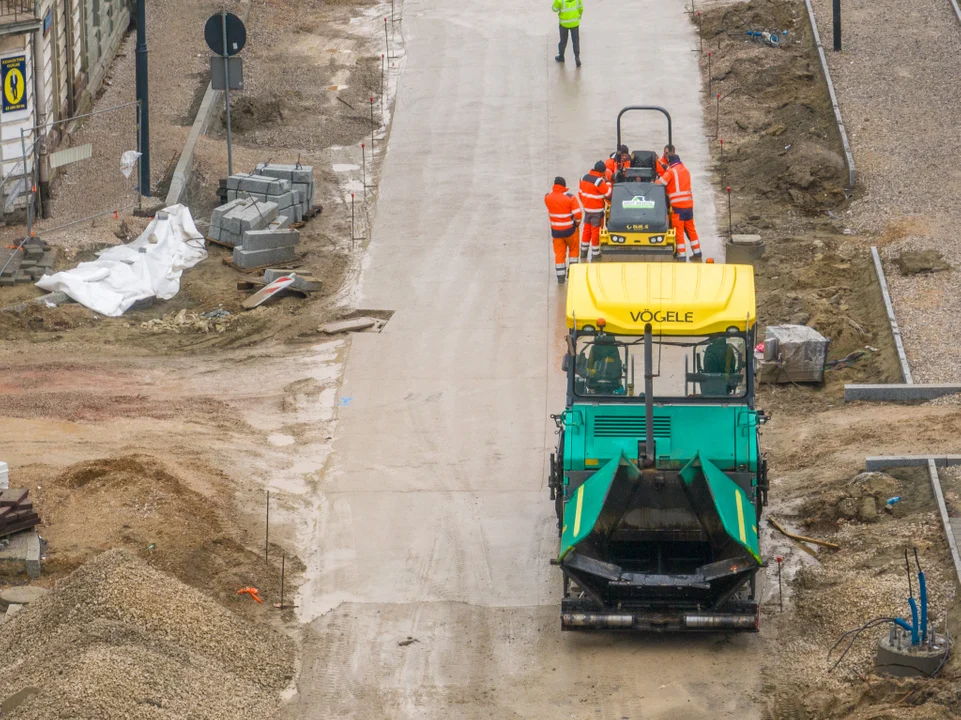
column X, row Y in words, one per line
column 896, row 84
column 781, row 158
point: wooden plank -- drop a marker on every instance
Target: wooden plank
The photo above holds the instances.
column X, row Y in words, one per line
column 12, row 496
column 296, row 263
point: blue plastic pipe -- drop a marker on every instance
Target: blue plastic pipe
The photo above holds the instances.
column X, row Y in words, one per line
column 915, row 640
column 903, row 624
column 923, row 592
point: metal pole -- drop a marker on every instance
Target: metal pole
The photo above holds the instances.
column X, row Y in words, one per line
column 383, row 87
column 780, row 591
column 230, row 154
column 386, row 38
column 29, row 181
column 837, row 25
column 283, row 568
column 372, row 128
column 648, row 395
column 267, row 528
column 142, row 95
column 717, row 118
column 710, row 75
column 352, row 221
column 139, row 160
column 730, row 224
column 363, row 159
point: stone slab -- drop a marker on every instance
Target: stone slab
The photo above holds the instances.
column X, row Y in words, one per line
column 258, row 258
column 352, row 325
column 875, row 463
column 266, row 239
column 21, row 555
column 11, row 611
column 21, row 595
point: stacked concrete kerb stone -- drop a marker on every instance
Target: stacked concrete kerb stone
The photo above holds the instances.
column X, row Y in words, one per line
column 301, row 179
column 257, row 232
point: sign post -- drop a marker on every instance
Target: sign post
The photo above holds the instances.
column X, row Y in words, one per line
column 142, row 98
column 226, row 36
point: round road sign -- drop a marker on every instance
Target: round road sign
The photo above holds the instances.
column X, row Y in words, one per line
column 236, row 34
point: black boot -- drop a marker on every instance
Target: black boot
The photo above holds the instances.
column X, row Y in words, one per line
column 577, row 60
column 559, row 58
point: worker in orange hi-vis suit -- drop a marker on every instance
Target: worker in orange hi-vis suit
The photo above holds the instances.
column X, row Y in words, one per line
column 565, row 215
column 662, row 162
column 594, row 193
column 677, row 178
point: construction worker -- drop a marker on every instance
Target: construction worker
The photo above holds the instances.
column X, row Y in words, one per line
column 594, row 193
column 569, row 15
column 619, row 159
column 662, row 162
column 677, row 178
column 565, row 215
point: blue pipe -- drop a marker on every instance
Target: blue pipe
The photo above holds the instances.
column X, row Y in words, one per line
column 923, row 586
column 915, row 640
column 903, row 624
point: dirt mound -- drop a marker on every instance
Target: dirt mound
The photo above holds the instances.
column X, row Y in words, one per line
column 248, row 113
column 169, row 515
column 778, row 129
column 118, row 639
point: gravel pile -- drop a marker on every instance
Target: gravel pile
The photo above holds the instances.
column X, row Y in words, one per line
column 117, row 639
column 898, row 90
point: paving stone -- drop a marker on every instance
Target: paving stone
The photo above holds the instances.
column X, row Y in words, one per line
column 21, row 595
column 49, row 258
column 258, row 258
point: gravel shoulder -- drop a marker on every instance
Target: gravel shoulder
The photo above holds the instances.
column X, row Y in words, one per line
column 899, row 95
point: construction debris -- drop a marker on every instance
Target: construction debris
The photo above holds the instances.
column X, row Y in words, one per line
column 302, row 281
column 802, row 538
column 266, row 293
column 16, row 512
column 214, row 321
column 27, row 262
column 352, row 325
column 119, row 639
column 259, row 235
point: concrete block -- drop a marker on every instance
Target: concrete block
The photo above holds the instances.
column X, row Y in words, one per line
column 21, row 556
column 899, row 392
column 307, row 283
column 266, row 239
column 257, row 217
column 304, row 175
column 217, row 215
column 298, row 213
column 277, row 171
column 266, row 185
column 7, row 281
column 4, row 476
column 284, row 200
column 282, row 221
column 231, row 195
column 49, row 259
column 259, row 258
column 234, row 181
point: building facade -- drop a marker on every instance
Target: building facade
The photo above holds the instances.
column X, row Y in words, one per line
column 54, row 56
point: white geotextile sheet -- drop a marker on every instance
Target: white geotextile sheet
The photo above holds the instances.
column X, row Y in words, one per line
column 150, row 266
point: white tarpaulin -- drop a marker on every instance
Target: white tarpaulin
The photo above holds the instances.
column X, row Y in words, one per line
column 149, row 266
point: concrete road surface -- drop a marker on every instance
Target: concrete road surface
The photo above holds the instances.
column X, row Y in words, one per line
column 429, row 592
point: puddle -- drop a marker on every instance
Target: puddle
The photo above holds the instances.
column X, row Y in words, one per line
column 345, row 168
column 280, row 440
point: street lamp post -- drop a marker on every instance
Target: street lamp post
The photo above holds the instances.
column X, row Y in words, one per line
column 142, row 98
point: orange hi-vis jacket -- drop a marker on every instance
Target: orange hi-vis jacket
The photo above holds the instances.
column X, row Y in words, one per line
column 661, row 165
column 564, row 211
column 677, row 178
column 594, row 192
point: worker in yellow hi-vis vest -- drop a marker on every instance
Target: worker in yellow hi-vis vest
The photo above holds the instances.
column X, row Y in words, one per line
column 569, row 14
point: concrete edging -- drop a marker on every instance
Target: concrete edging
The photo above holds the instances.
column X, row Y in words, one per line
column 178, row 182
column 876, row 463
column 848, row 155
column 892, row 320
column 898, row 392
column 957, row 9
column 945, row 519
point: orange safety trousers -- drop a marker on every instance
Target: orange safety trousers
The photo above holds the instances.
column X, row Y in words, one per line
column 682, row 220
column 564, row 249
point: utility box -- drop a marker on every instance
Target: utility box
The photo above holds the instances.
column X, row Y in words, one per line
column 792, row 354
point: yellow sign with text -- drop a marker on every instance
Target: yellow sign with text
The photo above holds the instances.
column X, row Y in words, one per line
column 14, row 74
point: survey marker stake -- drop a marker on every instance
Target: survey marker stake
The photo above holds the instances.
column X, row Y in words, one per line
column 710, row 75
column 363, row 157
column 372, row 128
column 730, row 225
column 352, row 221
column 717, row 118
column 267, row 530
